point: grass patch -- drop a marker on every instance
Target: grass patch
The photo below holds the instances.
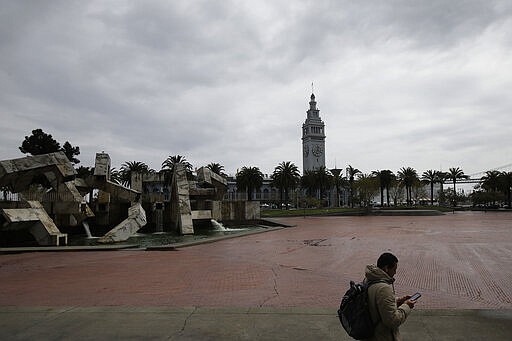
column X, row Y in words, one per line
column 310, row 211
column 340, row 211
column 436, row 208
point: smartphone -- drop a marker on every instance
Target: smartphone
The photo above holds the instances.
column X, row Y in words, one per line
column 415, row 296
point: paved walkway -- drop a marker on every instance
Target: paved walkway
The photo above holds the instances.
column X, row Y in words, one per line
column 272, row 286
column 168, row 323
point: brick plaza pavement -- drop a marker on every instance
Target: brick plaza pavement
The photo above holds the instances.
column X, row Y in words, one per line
column 461, row 260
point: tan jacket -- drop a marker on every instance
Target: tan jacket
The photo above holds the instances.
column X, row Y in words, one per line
column 387, row 316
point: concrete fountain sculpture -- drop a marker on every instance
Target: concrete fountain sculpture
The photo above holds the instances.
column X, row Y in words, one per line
column 47, row 210
column 62, row 204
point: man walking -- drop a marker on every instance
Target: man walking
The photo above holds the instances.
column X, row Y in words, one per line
column 387, row 311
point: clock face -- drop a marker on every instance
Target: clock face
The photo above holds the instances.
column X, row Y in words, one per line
column 306, row 150
column 317, row 150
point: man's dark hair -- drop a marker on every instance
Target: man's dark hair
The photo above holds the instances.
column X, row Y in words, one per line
column 386, row 259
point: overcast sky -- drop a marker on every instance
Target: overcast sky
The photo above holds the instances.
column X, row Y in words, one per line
column 422, row 84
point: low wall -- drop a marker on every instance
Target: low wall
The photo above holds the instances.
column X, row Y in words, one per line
column 240, row 210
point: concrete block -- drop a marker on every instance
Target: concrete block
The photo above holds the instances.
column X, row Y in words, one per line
column 136, row 219
column 202, row 214
column 37, row 221
column 102, row 165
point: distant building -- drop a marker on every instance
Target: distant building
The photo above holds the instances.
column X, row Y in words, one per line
column 313, row 147
column 313, row 139
column 265, row 194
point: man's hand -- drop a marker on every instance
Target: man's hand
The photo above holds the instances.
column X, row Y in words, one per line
column 401, row 300
column 410, row 303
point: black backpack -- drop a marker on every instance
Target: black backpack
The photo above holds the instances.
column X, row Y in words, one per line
column 354, row 312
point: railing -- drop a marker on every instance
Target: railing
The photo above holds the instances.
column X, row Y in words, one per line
column 36, row 196
column 8, row 196
column 236, row 196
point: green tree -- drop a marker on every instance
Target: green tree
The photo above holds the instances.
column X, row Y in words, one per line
column 286, row 176
column 431, row 177
column 367, row 187
column 71, row 152
column 490, row 181
column 485, row 197
column 408, row 176
column 129, row 168
column 249, row 179
column 41, row 143
column 308, row 182
column 384, row 178
column 317, row 181
column 84, row 172
column 396, row 190
column 339, row 182
column 217, row 168
column 456, row 174
column 443, row 176
column 116, row 176
column 168, row 166
column 387, row 178
column 454, row 197
column 324, row 180
column 418, row 190
column 505, row 185
column 351, row 173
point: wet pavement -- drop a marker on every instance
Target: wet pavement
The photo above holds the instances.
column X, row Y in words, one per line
column 462, row 264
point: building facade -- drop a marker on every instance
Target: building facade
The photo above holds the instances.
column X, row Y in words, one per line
column 313, row 139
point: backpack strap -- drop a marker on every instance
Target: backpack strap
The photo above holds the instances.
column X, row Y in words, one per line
column 370, row 283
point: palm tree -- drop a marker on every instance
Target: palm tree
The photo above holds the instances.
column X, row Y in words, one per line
column 505, row 184
column 387, row 177
column 443, row 176
column 217, row 168
column 376, row 175
column 384, row 178
column 249, row 179
column 339, row 182
column 308, row 182
column 116, row 176
column 286, row 176
column 351, row 173
column 323, row 179
column 490, row 181
column 456, row 174
column 170, row 162
column 130, row 167
column 431, row 177
column 408, row 176
column 317, row 181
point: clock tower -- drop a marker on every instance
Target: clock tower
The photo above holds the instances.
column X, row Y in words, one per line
column 313, row 139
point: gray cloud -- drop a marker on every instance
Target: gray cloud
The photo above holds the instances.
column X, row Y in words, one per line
column 399, row 83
